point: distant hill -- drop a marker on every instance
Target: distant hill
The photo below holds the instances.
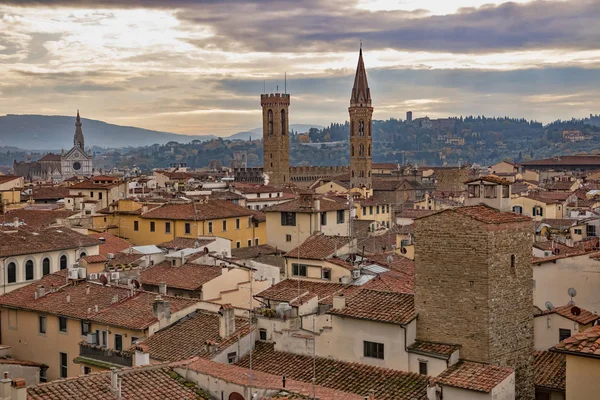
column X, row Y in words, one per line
column 256, row 133
column 41, row 132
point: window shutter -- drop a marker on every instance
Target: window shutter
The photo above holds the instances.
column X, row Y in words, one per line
column 283, row 218
column 293, row 219
column 541, row 212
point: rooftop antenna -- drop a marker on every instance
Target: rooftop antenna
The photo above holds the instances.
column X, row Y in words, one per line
column 572, row 293
column 265, row 86
column 285, row 82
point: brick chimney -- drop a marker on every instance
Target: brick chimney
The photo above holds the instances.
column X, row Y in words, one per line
column 226, row 321
column 141, row 356
column 161, row 308
column 18, row 390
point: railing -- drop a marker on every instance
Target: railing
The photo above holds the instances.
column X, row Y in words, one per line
column 104, row 354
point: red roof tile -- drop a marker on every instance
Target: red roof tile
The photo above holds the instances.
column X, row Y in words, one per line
column 586, row 160
column 473, row 376
column 301, row 205
column 185, row 243
column 199, row 211
column 49, row 239
column 442, row 350
column 374, row 305
column 291, row 289
column 51, row 157
column 490, row 179
column 550, row 370
column 49, row 192
column 111, row 243
column 319, row 247
column 95, row 259
column 143, row 383
column 37, row 219
column 585, row 343
column 585, row 317
column 8, row 178
column 485, row 214
column 350, row 377
column 188, row 276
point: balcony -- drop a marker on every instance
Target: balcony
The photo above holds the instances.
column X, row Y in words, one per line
column 102, row 355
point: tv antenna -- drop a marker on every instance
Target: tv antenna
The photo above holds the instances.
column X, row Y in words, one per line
column 549, row 306
column 572, row 293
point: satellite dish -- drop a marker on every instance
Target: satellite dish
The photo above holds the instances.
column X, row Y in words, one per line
column 136, row 283
column 572, row 292
column 549, row 306
column 403, row 250
column 576, row 311
column 104, row 280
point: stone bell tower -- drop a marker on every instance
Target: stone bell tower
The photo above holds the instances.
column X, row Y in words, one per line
column 361, row 139
column 276, row 138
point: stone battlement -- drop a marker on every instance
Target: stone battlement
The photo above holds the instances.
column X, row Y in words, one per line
column 275, row 99
column 318, row 170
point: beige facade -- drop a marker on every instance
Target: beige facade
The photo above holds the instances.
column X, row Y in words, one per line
column 582, row 378
column 538, row 209
column 547, row 329
column 10, row 190
column 489, row 193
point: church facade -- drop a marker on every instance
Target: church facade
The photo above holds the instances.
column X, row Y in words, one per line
column 56, row 167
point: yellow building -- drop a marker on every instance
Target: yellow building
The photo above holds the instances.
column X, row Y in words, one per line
column 541, row 205
column 142, row 225
column 99, row 192
column 373, row 210
column 80, row 328
column 10, row 190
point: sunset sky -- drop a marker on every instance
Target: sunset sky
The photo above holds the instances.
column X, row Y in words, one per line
column 199, row 67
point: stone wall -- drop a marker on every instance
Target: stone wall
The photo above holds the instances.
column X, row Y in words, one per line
column 466, row 291
column 276, row 138
column 453, row 179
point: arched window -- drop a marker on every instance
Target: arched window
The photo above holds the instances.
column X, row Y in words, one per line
column 283, row 123
column 270, row 122
column 362, row 174
column 353, row 174
column 361, row 128
column 369, row 129
column 352, row 151
column 351, row 128
column 29, row 270
column 11, row 273
column 63, row 262
column 369, row 150
column 45, row 266
column 361, row 150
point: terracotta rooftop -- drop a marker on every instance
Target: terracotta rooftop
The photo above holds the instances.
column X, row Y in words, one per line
column 143, row 383
column 188, row 276
column 414, row 213
column 584, row 343
column 290, row 289
column 561, row 223
column 37, row 219
column 378, row 244
column 582, row 160
column 473, row 376
column 319, row 247
column 199, row 211
column 49, row 239
column 8, row 178
column 550, row 370
column 374, row 305
column 99, row 258
column 187, row 337
column 585, row 317
column 355, row 378
column 300, row 205
column 560, row 185
column 245, row 253
column 90, row 184
column 185, row 243
column 51, row 157
column 391, row 282
column 249, row 188
column 548, row 197
column 49, row 192
column 294, row 389
column 122, row 259
column 111, row 243
column 490, row 179
column 485, row 214
column 439, row 350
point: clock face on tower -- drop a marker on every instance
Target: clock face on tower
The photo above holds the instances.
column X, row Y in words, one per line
column 76, row 166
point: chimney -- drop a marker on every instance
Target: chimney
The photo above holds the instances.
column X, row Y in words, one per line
column 68, row 298
column 115, row 383
column 339, row 302
column 161, row 308
column 87, row 289
column 162, row 288
column 224, row 269
column 141, row 356
column 96, row 308
column 316, row 204
column 115, row 299
column 16, row 222
column 226, row 321
column 40, row 292
column 18, row 389
column 5, row 387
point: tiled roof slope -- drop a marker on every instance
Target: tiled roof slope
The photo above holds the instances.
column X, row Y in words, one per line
column 185, row 243
column 239, row 376
column 485, row 214
column 374, row 305
column 188, row 276
column 137, row 384
column 290, row 289
column 49, row 192
column 187, row 337
column 8, row 178
column 490, row 179
column 350, row 377
column 585, row 343
column 244, row 253
column 299, row 205
column 319, row 247
column 473, row 376
column 199, row 211
column 49, row 239
column 38, row 219
column 442, row 350
column 112, row 244
column 585, row 317
column 550, row 370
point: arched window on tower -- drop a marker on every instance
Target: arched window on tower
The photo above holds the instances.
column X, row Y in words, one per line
column 352, row 151
column 270, row 122
column 353, row 174
column 283, row 124
column 369, row 151
column 362, row 174
column 361, row 150
column 361, row 128
column 369, row 129
column 351, row 128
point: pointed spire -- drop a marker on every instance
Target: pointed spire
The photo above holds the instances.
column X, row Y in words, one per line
column 78, row 119
column 361, row 94
column 78, row 140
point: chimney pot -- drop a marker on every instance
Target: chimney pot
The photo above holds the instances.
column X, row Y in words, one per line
column 226, row 321
column 96, row 308
column 87, row 289
column 339, row 302
column 68, row 298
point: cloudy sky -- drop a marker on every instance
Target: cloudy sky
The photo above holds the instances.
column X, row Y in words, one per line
column 199, row 66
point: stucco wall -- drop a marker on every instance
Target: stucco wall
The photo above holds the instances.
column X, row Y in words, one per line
column 546, row 330
column 582, row 378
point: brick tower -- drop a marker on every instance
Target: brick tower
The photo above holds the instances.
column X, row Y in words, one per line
column 360, row 128
column 474, row 287
column 276, row 138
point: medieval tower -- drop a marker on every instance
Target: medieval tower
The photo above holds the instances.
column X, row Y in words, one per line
column 360, row 128
column 276, row 138
column 474, row 287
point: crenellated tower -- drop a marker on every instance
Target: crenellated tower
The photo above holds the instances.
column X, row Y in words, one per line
column 276, row 138
column 361, row 139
